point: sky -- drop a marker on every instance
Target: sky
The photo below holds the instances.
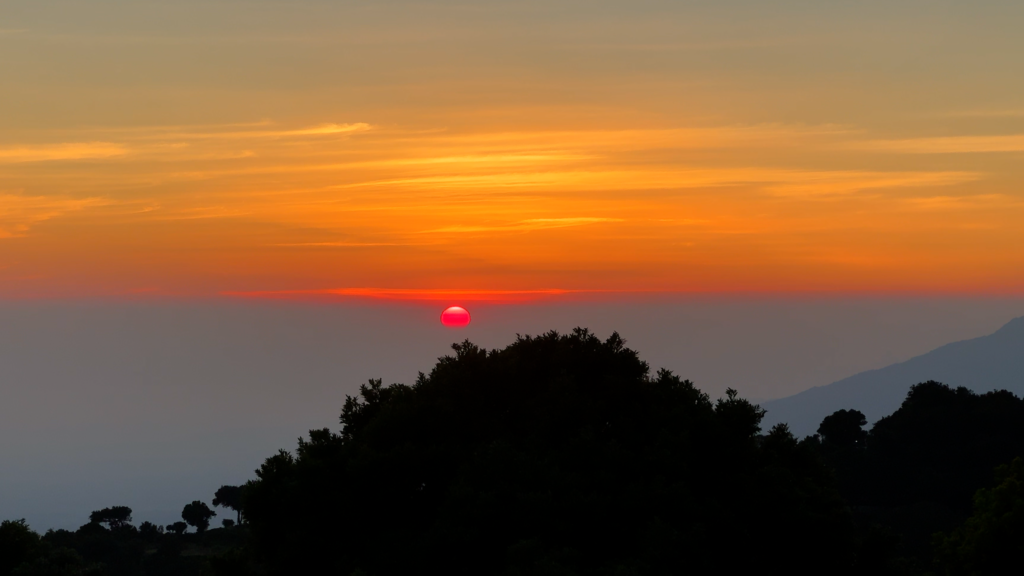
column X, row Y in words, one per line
column 518, row 149
column 218, row 218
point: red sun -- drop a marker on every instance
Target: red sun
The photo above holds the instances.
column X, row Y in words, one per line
column 455, row 317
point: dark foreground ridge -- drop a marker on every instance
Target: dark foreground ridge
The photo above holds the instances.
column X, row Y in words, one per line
column 563, row 454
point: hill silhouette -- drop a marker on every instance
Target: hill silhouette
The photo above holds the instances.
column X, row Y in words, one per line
column 558, row 454
column 993, row 362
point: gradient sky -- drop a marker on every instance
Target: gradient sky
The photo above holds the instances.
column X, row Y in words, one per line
column 510, row 151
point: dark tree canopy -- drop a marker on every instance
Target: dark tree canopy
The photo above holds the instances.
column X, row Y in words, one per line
column 17, row 544
column 178, row 528
column 197, row 514
column 114, row 517
column 229, row 497
column 844, row 429
column 942, row 445
column 556, row 454
column 992, row 539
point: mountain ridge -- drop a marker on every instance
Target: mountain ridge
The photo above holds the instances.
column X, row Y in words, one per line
column 991, row 362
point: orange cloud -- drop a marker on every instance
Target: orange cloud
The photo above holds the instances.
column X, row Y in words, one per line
column 19, row 213
column 64, row 151
column 950, row 145
column 262, row 209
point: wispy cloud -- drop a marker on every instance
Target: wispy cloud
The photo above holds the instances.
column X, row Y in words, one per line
column 949, row 145
column 830, row 183
column 215, row 133
column 949, row 202
column 63, row 151
column 786, row 182
column 525, row 225
column 995, row 113
column 19, row 213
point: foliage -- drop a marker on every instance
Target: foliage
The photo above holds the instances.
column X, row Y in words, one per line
column 991, row 541
column 59, row 562
column 18, row 543
column 916, row 472
column 844, row 430
column 150, row 532
column 114, row 517
column 558, row 453
column 230, row 497
column 197, row 514
column 941, row 445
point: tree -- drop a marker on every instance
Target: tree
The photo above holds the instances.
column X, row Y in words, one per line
column 177, row 528
column 59, row 562
column 150, row 531
column 229, row 497
column 992, row 540
column 556, row 454
column 227, row 523
column 197, row 514
column 941, row 446
column 114, row 517
column 18, row 543
column 844, row 430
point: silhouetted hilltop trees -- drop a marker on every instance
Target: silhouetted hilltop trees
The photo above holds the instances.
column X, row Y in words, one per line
column 563, row 454
column 992, row 539
column 109, row 545
column 942, row 445
column 230, row 497
column 558, row 454
column 915, row 473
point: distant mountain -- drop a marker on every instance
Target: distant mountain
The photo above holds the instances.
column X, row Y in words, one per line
column 988, row 363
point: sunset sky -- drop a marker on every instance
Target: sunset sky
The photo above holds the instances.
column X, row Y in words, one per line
column 510, row 151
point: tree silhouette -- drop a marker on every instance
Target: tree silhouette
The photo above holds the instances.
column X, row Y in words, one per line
column 230, row 497
column 197, row 514
column 59, row 562
column 18, row 543
column 992, row 540
column 114, row 517
column 844, row 430
column 556, row 454
column 942, row 444
column 177, row 528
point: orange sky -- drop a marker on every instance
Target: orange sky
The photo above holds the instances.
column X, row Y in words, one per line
column 509, row 153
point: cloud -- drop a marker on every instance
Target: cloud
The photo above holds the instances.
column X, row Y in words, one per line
column 19, row 213
column 949, row 145
column 778, row 181
column 525, row 225
column 1004, row 113
column 826, row 183
column 64, row 151
column 172, row 133
column 962, row 202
